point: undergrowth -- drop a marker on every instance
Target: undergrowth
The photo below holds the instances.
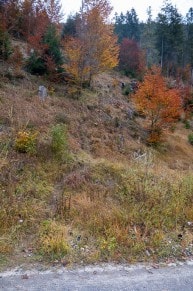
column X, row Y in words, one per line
column 138, row 215
column 119, row 211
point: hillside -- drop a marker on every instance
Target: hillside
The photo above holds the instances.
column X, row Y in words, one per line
column 84, row 187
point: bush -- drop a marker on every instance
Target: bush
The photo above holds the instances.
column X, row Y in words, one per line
column 59, row 143
column 190, row 138
column 26, row 142
column 187, row 124
column 127, row 90
column 5, row 44
column 36, row 65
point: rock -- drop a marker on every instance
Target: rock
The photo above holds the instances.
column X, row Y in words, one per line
column 130, row 113
column 78, row 238
column 25, row 276
column 64, row 263
column 42, row 93
column 148, row 253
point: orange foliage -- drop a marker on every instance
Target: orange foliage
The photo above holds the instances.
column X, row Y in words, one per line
column 162, row 106
column 40, row 26
column 101, row 42
column 75, row 65
column 16, row 58
column 95, row 49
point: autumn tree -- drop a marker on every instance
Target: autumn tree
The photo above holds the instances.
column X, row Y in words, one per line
column 161, row 105
column 44, row 41
column 54, row 11
column 100, row 49
column 27, row 18
column 13, row 15
column 75, row 61
column 131, row 58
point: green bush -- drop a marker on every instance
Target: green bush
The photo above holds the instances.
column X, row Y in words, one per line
column 187, row 124
column 36, row 65
column 5, row 45
column 190, row 138
column 59, row 142
column 127, row 89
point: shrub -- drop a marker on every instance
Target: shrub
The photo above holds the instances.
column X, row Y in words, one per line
column 190, row 138
column 5, row 43
column 26, row 142
column 127, row 90
column 187, row 124
column 36, row 65
column 59, row 140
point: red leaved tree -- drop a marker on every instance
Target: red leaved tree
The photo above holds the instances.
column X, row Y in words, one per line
column 131, row 58
column 161, row 106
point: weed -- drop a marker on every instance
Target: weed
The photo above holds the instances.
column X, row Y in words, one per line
column 190, row 138
column 107, row 246
column 53, row 240
column 62, row 118
column 63, row 206
column 5, row 245
column 136, row 216
column 23, row 204
column 187, row 124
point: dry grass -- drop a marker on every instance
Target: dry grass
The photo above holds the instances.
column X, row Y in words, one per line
column 140, row 212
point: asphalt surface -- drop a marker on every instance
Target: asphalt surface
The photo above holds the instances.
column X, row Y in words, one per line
column 174, row 277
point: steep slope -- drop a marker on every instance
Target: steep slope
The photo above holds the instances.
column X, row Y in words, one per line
column 99, row 193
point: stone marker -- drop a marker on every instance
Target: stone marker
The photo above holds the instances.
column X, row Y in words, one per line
column 42, row 93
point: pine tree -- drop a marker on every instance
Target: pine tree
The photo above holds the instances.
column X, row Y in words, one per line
column 148, row 39
column 189, row 38
column 169, row 33
column 127, row 26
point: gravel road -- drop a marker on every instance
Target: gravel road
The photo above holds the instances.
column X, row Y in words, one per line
column 173, row 277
